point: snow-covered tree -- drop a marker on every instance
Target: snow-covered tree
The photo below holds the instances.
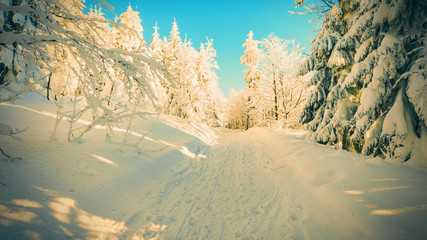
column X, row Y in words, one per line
column 236, row 113
column 171, row 48
column 131, row 37
column 194, row 93
column 211, row 99
column 251, row 59
column 278, row 62
column 155, row 48
column 187, row 95
column 156, row 52
column 275, row 92
column 282, row 89
column 174, row 46
column 365, row 60
column 44, row 43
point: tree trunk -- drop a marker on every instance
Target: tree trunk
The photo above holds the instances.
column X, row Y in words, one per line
column 276, row 107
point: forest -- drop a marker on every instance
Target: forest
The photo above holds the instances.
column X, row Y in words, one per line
column 359, row 91
column 361, row 88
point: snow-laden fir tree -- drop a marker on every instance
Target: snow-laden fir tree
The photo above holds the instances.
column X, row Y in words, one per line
column 251, row 58
column 194, row 93
column 156, row 52
column 211, row 99
column 155, row 47
column 130, row 38
column 369, row 79
column 186, row 96
column 172, row 48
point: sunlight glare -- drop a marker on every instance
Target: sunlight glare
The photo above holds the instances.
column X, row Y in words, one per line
column 99, row 227
column 388, row 188
column 62, row 208
column 391, row 212
column 384, row 179
column 26, row 203
column 19, row 215
column 354, row 192
column 103, row 159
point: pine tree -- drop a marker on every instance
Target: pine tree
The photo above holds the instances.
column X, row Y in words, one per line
column 12, row 24
column 155, row 47
column 251, row 59
column 187, row 97
column 130, row 38
column 156, row 51
column 362, row 60
column 172, row 48
column 194, row 93
column 210, row 94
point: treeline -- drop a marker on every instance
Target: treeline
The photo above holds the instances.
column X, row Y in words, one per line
column 275, row 94
column 105, row 70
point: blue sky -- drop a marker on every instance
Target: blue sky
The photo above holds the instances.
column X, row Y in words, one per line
column 226, row 21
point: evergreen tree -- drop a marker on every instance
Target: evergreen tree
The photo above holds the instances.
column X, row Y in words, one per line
column 187, row 94
column 251, row 59
column 157, row 52
column 363, row 98
column 175, row 44
column 130, row 38
column 172, row 49
column 155, row 48
column 11, row 23
column 210, row 94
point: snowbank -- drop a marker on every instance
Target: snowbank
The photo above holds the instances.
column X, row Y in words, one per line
column 187, row 181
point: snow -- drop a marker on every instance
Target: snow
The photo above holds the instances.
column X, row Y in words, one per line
column 371, row 95
column 6, row 56
column 389, row 11
column 325, row 44
column 364, row 50
column 395, row 121
column 18, row 18
column 417, row 86
column 337, row 59
column 262, row 183
column 362, row 24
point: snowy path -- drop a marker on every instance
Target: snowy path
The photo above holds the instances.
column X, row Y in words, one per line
column 258, row 184
column 233, row 193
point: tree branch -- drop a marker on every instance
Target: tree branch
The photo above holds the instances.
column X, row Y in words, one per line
column 4, row 153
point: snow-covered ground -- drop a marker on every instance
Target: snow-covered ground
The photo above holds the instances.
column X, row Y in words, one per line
column 187, row 181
